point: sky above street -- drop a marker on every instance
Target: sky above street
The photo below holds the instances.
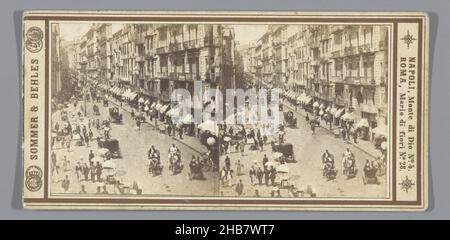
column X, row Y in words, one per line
column 244, row 34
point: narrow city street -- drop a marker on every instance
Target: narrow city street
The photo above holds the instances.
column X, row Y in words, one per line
column 307, row 171
column 134, row 145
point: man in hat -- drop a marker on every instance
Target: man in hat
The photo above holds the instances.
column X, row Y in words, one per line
column 239, row 188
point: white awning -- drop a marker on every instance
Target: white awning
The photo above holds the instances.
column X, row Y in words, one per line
column 164, row 108
column 126, row 93
column 380, row 130
column 188, row 119
column 132, row 95
column 209, row 126
column 348, row 117
column 339, row 113
column 362, row 123
column 308, row 100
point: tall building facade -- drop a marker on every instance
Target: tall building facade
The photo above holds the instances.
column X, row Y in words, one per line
column 56, row 85
column 344, row 66
column 155, row 59
column 61, row 79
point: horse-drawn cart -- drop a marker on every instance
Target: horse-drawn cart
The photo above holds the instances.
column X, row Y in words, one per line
column 289, row 119
column 115, row 115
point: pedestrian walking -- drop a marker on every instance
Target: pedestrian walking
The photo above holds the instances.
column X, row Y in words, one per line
column 260, row 175
column 92, row 171
column 53, row 166
column 91, row 134
column 181, row 132
column 261, row 144
column 343, row 133
column 313, row 128
column 242, row 147
column 65, row 183
column 227, row 163
column 98, row 171
column 85, row 170
column 265, row 160
column 66, row 164
column 104, row 190
column 266, row 176
column 223, row 173
column 68, row 144
column 138, row 124
column 86, row 139
column 83, row 190
column 239, row 167
column 239, row 188
column 79, row 171
column 91, row 155
column 252, row 174
column 273, row 175
column 257, row 193
column 169, row 128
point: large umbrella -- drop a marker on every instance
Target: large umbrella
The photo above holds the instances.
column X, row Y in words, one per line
column 283, row 168
column 210, row 141
column 271, row 163
column 188, row 119
column 362, row 123
column 209, row 126
column 102, row 151
column 174, row 112
column 380, row 130
column 109, row 171
column 276, row 155
column 109, row 164
column 350, row 117
column 97, row 159
column 76, row 137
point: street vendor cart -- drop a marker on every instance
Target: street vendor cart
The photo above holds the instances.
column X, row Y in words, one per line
column 112, row 145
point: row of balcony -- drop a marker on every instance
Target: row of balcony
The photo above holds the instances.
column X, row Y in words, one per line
column 179, row 75
column 186, row 45
column 355, row 50
column 356, row 80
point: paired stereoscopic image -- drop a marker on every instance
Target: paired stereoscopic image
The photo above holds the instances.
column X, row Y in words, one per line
column 210, row 110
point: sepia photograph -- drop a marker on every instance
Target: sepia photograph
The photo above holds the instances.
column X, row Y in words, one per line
column 169, row 111
column 331, row 140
